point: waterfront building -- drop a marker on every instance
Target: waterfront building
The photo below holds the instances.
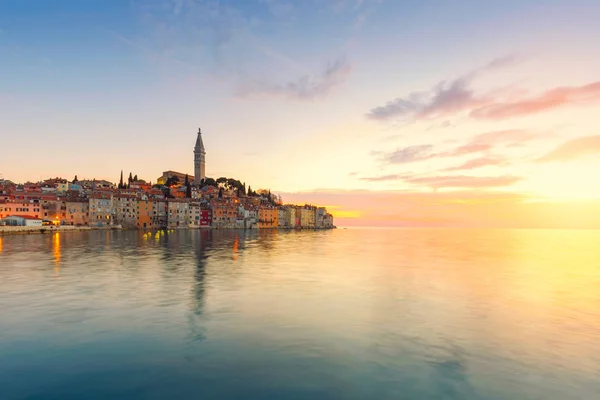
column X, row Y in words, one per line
column 281, row 217
column 22, row 208
column 160, row 212
column 205, row 217
column 195, row 211
column 101, row 210
column 124, row 210
column 17, row 220
column 307, row 217
column 78, row 212
column 178, row 215
column 144, row 209
column 268, row 217
column 224, row 214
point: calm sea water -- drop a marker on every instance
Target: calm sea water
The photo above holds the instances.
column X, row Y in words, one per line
column 343, row 314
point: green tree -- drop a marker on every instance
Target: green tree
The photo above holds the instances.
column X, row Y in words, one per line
column 188, row 187
column 172, row 181
column 210, row 182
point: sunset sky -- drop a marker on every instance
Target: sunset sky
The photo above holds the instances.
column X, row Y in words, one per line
column 389, row 112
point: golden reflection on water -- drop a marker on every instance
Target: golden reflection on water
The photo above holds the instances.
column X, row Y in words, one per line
column 56, row 253
column 236, row 245
column 0, row 245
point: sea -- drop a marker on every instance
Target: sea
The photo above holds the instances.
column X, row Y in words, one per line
column 357, row 313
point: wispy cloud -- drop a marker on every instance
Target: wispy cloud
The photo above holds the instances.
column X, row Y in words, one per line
column 573, row 149
column 457, row 97
column 447, row 97
column 383, row 178
column 463, row 181
column 449, row 181
column 507, row 136
column 408, row 154
column 478, row 163
column 227, row 39
column 307, row 87
column 548, row 100
column 424, row 152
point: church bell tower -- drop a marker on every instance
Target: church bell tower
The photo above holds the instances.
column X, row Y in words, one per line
column 199, row 159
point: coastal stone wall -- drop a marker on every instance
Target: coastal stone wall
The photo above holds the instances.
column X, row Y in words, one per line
column 16, row 230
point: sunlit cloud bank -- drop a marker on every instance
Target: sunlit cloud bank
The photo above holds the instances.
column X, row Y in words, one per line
column 466, row 208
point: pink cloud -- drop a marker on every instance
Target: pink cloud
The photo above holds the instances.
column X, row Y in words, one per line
column 551, row 99
column 464, row 150
column 573, row 149
column 463, row 181
column 504, row 136
column 464, row 208
column 478, row 163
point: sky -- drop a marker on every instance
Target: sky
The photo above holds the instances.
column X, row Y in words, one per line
column 391, row 113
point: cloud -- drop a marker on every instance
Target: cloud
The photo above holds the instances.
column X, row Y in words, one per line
column 449, row 181
column 279, row 8
column 574, row 149
column 463, row 181
column 505, row 136
column 456, row 208
column 383, row 178
column 228, row 40
column 424, row 152
column 548, row 100
column 464, row 150
column 456, row 97
column 478, row 163
column 447, row 97
column 306, row 87
column 444, row 98
column 408, row 154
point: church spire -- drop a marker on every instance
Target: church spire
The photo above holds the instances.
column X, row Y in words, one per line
column 199, row 159
column 199, row 143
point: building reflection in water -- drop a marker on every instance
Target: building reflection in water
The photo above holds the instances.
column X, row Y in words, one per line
column 202, row 248
column 0, row 245
column 56, row 253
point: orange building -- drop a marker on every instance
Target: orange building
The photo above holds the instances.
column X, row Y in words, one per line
column 268, row 217
column 144, row 213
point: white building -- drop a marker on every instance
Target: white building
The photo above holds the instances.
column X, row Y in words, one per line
column 16, row 220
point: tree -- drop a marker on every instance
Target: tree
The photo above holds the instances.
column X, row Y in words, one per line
column 173, row 180
column 221, row 182
column 121, row 181
column 210, row 182
column 75, row 179
column 135, row 178
column 188, row 187
column 220, row 193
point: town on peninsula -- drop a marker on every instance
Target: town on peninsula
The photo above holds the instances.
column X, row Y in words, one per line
column 175, row 200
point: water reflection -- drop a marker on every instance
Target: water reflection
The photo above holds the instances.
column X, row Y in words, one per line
column 0, row 244
column 424, row 314
column 236, row 245
column 56, row 253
